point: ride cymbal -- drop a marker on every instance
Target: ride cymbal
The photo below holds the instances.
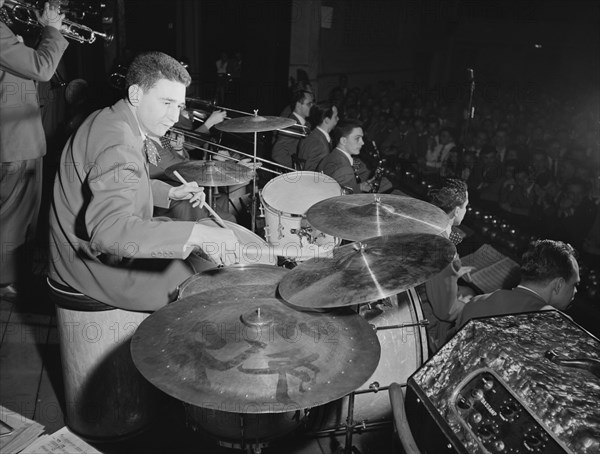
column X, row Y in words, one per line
column 366, row 271
column 211, row 173
column 255, row 123
column 359, row 216
column 253, row 355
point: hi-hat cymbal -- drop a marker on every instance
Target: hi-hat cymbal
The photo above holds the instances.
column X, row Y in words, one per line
column 253, row 355
column 256, row 280
column 255, row 123
column 211, row 173
column 366, row 271
column 359, row 216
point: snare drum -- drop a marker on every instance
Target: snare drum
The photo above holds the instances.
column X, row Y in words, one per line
column 286, row 199
column 251, row 249
column 403, row 351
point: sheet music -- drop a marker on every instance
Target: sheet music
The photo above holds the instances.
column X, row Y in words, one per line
column 62, row 441
column 17, row 431
column 493, row 270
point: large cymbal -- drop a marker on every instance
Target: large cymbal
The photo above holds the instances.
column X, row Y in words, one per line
column 256, row 280
column 212, row 173
column 255, row 124
column 359, row 216
column 366, row 271
column 253, row 355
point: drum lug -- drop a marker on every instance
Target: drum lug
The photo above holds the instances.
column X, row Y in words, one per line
column 261, row 211
column 374, row 386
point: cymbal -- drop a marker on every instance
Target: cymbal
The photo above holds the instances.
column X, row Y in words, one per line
column 256, row 280
column 211, row 173
column 255, row 123
column 253, row 355
column 366, row 271
column 359, row 216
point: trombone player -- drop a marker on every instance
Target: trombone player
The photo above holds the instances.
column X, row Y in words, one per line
column 22, row 141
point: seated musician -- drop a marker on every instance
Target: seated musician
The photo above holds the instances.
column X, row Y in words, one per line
column 105, row 245
column 318, row 144
column 286, row 144
column 549, row 278
column 445, row 298
column 343, row 166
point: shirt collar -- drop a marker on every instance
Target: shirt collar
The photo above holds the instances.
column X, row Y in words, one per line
column 350, row 158
column 300, row 119
column 532, row 291
column 326, row 134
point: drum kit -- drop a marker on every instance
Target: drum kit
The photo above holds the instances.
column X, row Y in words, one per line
column 253, row 350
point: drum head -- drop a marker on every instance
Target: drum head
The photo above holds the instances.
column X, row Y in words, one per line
column 296, row 192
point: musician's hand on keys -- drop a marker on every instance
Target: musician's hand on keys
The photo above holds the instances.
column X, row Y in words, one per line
column 50, row 16
column 189, row 191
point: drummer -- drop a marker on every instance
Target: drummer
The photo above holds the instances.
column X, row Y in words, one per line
column 105, row 246
column 342, row 163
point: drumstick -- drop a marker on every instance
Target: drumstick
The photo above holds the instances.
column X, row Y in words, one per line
column 220, row 221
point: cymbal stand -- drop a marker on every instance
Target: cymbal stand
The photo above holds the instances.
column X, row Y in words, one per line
column 253, row 211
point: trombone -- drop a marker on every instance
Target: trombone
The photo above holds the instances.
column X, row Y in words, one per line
column 25, row 14
column 305, row 130
column 192, row 135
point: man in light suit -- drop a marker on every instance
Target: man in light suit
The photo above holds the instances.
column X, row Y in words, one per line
column 104, row 243
column 22, row 140
column 317, row 145
column 339, row 164
column 287, row 144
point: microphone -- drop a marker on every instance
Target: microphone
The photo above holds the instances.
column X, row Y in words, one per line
column 471, row 74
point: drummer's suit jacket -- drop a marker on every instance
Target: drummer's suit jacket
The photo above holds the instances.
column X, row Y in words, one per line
column 104, row 242
column 312, row 149
column 338, row 167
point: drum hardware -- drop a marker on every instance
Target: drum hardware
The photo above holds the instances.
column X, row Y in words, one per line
column 423, row 323
column 286, row 199
column 367, row 270
column 359, row 216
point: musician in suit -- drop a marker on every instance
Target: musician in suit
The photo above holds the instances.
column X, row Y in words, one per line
column 105, row 245
column 318, row 144
column 286, row 144
column 549, row 278
column 22, row 140
column 339, row 164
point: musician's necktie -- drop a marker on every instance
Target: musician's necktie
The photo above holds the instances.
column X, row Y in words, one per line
column 151, row 152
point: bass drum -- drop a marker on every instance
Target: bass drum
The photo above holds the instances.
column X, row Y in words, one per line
column 285, row 200
column 403, row 351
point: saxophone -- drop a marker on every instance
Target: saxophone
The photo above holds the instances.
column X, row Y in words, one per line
column 379, row 171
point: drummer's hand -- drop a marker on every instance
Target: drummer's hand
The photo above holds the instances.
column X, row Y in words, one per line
column 188, row 191
column 215, row 118
column 220, row 244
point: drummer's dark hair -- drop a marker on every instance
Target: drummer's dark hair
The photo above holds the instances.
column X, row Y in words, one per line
column 546, row 260
column 451, row 194
column 148, row 68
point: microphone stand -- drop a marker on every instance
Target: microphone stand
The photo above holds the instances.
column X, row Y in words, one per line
column 470, row 108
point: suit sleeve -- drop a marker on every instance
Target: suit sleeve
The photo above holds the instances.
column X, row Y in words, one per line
column 119, row 191
column 33, row 64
